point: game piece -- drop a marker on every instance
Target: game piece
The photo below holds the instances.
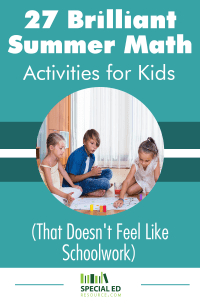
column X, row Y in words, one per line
column 101, row 208
column 140, row 196
column 104, row 208
column 91, row 207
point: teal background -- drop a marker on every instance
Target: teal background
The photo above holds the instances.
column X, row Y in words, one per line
column 21, row 167
column 172, row 205
column 174, row 134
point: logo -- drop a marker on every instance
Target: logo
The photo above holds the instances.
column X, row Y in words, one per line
column 98, row 286
column 93, row 278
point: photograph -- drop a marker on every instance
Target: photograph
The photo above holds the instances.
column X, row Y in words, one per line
column 100, row 151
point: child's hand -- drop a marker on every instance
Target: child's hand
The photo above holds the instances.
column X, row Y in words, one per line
column 77, row 187
column 96, row 171
column 118, row 203
column 69, row 198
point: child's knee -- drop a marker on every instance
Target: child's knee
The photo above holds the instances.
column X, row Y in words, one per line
column 77, row 193
column 108, row 173
column 129, row 192
column 105, row 184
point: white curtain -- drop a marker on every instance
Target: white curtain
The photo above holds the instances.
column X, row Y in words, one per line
column 122, row 121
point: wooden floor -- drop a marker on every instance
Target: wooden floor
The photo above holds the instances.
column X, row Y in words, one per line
column 119, row 175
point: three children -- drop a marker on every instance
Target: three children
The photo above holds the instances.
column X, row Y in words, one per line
column 82, row 177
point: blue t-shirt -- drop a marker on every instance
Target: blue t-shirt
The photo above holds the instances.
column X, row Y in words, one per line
column 77, row 162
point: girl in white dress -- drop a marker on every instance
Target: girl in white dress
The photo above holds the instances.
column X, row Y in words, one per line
column 144, row 172
column 51, row 167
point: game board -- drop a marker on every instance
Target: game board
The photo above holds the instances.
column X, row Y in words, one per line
column 84, row 203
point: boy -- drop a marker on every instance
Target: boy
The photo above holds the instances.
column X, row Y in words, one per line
column 93, row 180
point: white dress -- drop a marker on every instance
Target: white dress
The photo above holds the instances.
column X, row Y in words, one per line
column 56, row 183
column 145, row 178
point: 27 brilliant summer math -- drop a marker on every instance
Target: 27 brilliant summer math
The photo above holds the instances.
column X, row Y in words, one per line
column 108, row 20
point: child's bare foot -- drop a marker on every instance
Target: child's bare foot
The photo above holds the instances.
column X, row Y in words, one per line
column 98, row 193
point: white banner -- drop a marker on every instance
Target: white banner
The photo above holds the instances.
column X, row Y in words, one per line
column 74, row 284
